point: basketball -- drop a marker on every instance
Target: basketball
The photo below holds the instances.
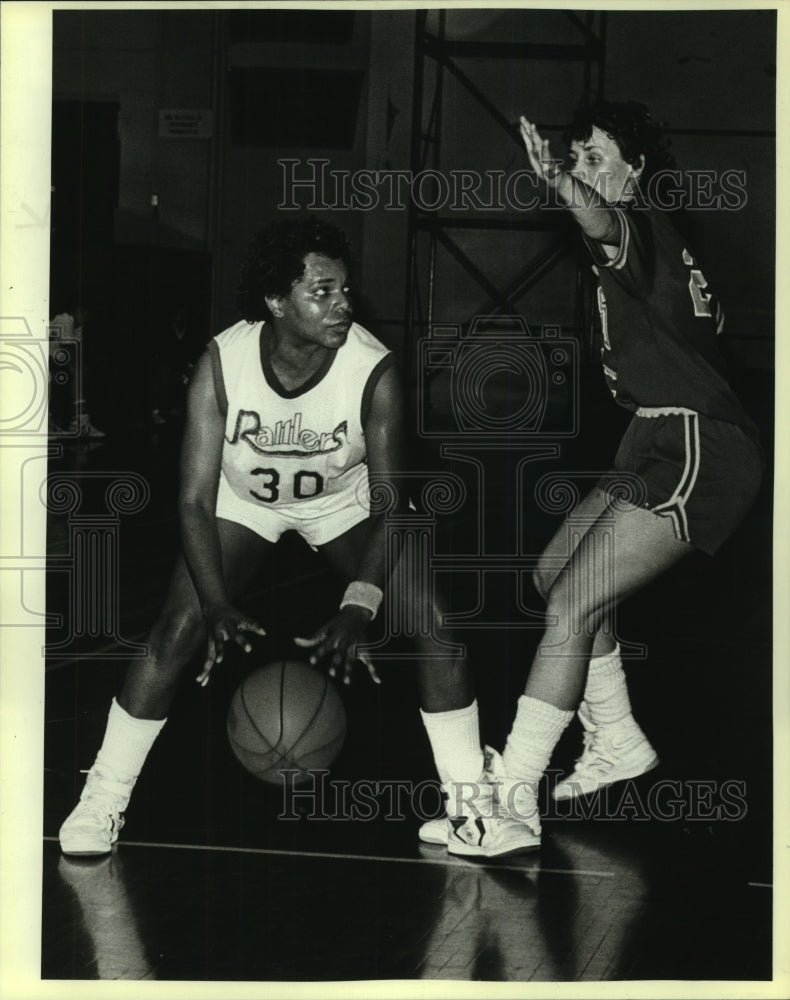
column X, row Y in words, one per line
column 286, row 716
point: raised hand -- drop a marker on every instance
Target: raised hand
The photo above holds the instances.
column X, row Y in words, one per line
column 540, row 158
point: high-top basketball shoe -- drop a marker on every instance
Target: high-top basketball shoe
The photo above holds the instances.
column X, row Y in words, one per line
column 611, row 753
column 95, row 822
column 491, row 818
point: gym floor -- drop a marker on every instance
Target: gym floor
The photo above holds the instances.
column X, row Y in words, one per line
column 218, row 877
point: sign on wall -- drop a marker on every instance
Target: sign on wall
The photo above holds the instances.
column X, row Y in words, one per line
column 181, row 123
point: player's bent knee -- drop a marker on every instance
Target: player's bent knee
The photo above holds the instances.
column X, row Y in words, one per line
column 575, row 612
column 176, row 637
column 541, row 582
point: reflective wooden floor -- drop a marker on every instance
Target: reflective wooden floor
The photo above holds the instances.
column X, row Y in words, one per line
column 220, row 878
column 583, row 912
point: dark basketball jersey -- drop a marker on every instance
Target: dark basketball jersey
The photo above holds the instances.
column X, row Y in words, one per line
column 660, row 322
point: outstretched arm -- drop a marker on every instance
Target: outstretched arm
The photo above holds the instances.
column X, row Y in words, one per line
column 595, row 218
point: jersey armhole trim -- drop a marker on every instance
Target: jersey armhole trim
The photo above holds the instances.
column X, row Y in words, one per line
column 599, row 255
column 219, row 381
column 387, row 362
column 619, row 260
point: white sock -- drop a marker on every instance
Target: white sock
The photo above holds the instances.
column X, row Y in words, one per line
column 536, row 731
column 606, row 692
column 455, row 741
column 127, row 742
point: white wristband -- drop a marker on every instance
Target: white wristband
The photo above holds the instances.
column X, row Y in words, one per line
column 364, row 595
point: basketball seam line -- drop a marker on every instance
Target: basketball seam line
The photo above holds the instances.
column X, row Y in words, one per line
column 255, row 725
column 283, row 755
column 311, row 720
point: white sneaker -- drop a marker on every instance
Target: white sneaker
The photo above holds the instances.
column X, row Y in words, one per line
column 94, row 824
column 611, row 753
column 434, row 831
column 492, row 818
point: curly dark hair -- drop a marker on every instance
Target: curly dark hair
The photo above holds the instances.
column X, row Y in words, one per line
column 275, row 260
column 631, row 126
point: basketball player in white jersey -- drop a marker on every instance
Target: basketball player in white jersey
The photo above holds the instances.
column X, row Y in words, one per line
column 290, row 411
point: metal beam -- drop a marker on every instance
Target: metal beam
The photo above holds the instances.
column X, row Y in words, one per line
column 471, row 269
column 507, row 224
column 541, row 264
column 510, row 127
column 435, row 48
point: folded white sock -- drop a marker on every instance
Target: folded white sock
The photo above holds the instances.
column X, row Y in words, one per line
column 455, row 741
column 535, row 732
column 606, row 692
column 127, row 742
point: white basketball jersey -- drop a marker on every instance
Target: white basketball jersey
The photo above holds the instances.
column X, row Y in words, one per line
column 286, row 446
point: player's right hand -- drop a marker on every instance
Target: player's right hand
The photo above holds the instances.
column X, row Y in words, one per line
column 225, row 624
column 540, row 158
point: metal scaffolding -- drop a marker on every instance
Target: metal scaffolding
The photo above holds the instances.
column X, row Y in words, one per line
column 429, row 230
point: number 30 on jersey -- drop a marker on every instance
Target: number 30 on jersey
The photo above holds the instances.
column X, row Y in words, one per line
column 305, row 485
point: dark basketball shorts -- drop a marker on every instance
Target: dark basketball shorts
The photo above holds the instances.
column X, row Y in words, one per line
column 701, row 473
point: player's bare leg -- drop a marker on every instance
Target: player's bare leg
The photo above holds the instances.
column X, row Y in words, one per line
column 644, row 546
column 447, row 697
column 179, row 632
column 445, row 682
column 559, row 550
column 605, row 702
column 138, row 715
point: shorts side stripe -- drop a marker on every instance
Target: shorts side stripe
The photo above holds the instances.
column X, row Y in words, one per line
column 692, row 423
column 675, row 506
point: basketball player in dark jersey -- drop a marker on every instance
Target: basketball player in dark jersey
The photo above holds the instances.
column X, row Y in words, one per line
column 690, row 452
column 690, row 448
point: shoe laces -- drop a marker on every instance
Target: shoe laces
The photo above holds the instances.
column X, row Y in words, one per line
column 104, row 796
column 597, row 754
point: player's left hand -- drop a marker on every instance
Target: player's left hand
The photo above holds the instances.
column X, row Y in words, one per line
column 339, row 640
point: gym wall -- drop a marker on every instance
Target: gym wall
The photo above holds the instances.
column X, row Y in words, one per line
column 709, row 74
